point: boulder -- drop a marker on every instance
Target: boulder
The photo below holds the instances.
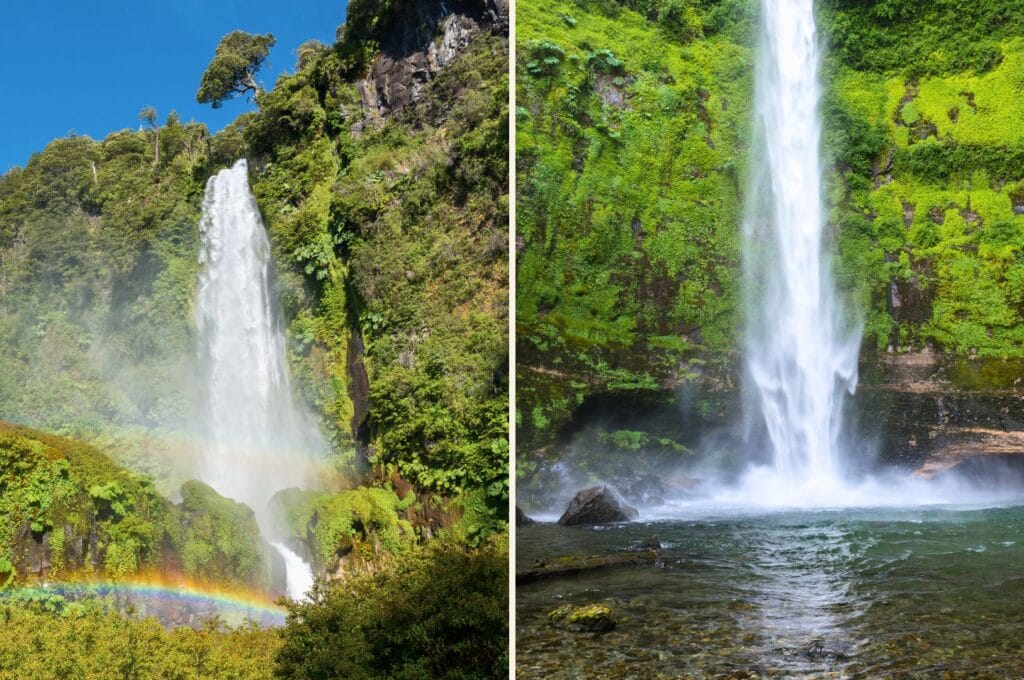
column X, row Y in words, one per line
column 597, row 505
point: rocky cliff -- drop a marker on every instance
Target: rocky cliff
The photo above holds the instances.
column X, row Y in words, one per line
column 419, row 39
column 632, row 163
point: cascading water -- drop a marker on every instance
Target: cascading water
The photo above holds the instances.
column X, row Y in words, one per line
column 258, row 441
column 801, row 357
column 298, row 574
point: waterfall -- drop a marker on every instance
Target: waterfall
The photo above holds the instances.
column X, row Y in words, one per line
column 298, row 574
column 257, row 439
column 801, row 357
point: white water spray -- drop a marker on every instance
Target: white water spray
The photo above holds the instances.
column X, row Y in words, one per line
column 258, row 441
column 800, row 356
column 298, row 574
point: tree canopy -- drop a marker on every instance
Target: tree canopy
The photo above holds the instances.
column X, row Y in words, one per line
column 233, row 68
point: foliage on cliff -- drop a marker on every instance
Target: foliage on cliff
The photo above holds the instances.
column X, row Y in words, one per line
column 217, row 539
column 632, row 131
column 65, row 507
column 633, row 120
column 357, row 525
column 929, row 172
column 396, row 236
column 97, row 262
column 67, row 511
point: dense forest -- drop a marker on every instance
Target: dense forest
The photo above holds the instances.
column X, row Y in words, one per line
column 634, row 122
column 380, row 166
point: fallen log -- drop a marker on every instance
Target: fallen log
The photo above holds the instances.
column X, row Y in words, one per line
column 570, row 566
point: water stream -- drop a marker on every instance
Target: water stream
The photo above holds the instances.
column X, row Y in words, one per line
column 855, row 593
column 258, row 439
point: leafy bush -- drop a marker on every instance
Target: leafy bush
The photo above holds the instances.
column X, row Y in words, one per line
column 439, row 612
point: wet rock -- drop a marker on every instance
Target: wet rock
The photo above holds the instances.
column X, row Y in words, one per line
column 594, row 618
column 649, row 543
column 597, row 505
column 822, row 649
column 522, row 519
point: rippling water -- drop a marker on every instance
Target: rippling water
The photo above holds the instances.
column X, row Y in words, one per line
column 847, row 593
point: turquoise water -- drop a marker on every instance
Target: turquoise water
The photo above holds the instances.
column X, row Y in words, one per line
column 856, row 593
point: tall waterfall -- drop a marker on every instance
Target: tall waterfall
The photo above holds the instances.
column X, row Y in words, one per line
column 258, row 441
column 801, row 356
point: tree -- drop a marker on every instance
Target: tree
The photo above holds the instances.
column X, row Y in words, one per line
column 438, row 612
column 233, row 69
column 148, row 116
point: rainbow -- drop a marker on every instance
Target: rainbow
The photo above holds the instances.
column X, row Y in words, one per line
column 238, row 602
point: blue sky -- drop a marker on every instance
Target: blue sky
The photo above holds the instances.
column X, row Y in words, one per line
column 89, row 67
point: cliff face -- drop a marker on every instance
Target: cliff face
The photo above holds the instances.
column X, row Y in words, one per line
column 420, row 40
column 386, row 201
column 631, row 173
column 931, row 413
column 631, row 148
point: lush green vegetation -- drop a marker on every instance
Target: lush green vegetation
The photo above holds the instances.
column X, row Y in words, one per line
column 918, row 39
column 632, row 135
column 438, row 613
column 927, row 185
column 217, row 539
column 633, row 123
column 357, row 525
column 56, row 495
column 389, row 234
column 91, row 642
column 67, row 511
column 396, row 236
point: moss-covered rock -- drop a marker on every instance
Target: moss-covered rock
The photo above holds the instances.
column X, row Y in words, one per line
column 217, row 539
column 593, row 618
column 65, row 507
column 347, row 529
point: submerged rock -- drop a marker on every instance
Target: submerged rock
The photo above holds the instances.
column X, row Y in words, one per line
column 643, row 545
column 597, row 505
column 822, row 649
column 593, row 618
column 522, row 519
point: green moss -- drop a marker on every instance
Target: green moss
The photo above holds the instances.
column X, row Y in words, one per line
column 918, row 39
column 218, row 538
column 630, row 149
column 366, row 519
column 593, row 618
column 938, row 225
column 59, row 489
